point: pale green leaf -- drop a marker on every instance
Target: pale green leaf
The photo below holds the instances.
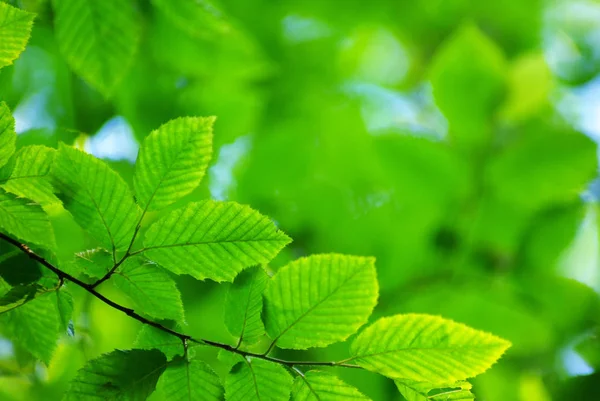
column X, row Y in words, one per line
column 189, row 380
column 425, row 348
column 319, row 300
column 322, row 386
column 120, row 375
column 8, row 136
column 25, row 220
column 244, row 305
column 468, row 81
column 34, row 325
column 172, row 161
column 15, row 29
column 214, row 240
column 152, row 338
column 550, row 166
column 97, row 197
column 30, row 175
column 97, row 38
column 423, row 391
column 258, row 380
column 152, row 290
column 198, row 18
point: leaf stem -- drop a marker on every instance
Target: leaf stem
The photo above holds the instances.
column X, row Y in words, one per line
column 185, row 338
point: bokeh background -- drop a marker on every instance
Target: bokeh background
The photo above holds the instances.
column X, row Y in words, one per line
column 454, row 140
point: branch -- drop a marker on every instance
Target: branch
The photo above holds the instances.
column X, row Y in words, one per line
column 90, row 288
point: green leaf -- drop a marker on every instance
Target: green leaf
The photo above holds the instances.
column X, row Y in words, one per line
column 25, row 220
column 319, row 300
column 423, row 391
column 198, row 18
column 64, row 303
column 119, row 375
column 97, row 197
column 172, row 161
column 544, row 166
column 258, row 380
column 322, row 386
column 425, row 348
column 18, row 295
column 29, row 177
column 15, row 29
column 98, row 39
column 94, row 263
column 151, row 289
column 244, row 305
column 468, row 79
column 8, row 136
column 34, row 325
column 189, row 380
column 214, row 240
column 152, row 338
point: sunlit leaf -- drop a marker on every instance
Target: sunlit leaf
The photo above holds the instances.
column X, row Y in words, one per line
column 214, row 240
column 244, row 305
column 8, row 136
column 323, row 386
column 30, row 175
column 258, row 380
column 97, row 197
column 172, row 161
column 319, row 300
column 151, row 289
column 15, row 28
column 425, row 348
column 25, row 220
column 423, row 391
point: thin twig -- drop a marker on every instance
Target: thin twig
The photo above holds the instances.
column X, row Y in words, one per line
column 90, row 288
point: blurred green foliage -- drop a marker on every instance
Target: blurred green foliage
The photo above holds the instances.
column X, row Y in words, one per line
column 453, row 140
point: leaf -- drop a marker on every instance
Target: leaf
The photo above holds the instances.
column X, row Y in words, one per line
column 244, row 305
column 198, row 18
column 543, row 167
column 18, row 295
column 150, row 288
column 152, row 338
column 190, row 380
column 468, row 79
column 15, row 29
column 8, row 136
column 119, row 375
column 172, row 161
column 29, row 177
column 34, row 325
column 258, row 380
column 322, row 386
column 425, row 348
column 25, row 220
column 94, row 263
column 319, row 300
column 423, row 391
column 64, row 303
column 98, row 39
column 214, row 240
column 97, row 197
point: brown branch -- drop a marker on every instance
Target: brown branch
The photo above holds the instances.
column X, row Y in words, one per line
column 90, row 288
